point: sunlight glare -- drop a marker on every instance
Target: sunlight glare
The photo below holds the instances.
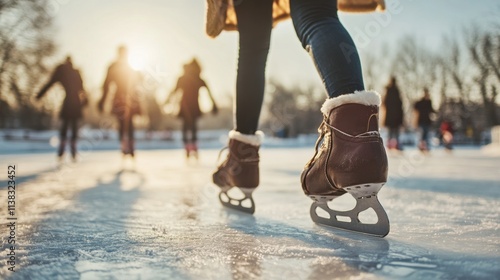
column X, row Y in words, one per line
column 137, row 60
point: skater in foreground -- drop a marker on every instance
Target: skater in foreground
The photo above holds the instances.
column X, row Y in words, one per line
column 125, row 100
column 350, row 156
column 71, row 111
column 190, row 83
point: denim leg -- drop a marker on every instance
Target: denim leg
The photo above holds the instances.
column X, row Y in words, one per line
column 185, row 130
column 391, row 133
column 74, row 129
column 62, row 137
column 318, row 27
column 194, row 131
column 254, row 26
column 425, row 134
column 63, row 132
column 121, row 128
column 131, row 129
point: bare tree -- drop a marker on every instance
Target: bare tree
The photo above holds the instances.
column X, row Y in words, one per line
column 453, row 64
column 293, row 110
column 25, row 45
column 376, row 67
column 480, row 46
column 415, row 68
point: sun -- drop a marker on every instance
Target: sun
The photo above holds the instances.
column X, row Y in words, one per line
column 137, row 60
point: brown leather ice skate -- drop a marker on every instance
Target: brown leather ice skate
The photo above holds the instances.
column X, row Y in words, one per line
column 349, row 158
column 240, row 169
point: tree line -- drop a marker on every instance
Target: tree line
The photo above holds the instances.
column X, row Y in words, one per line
column 463, row 75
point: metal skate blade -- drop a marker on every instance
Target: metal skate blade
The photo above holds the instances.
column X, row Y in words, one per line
column 237, row 204
column 366, row 198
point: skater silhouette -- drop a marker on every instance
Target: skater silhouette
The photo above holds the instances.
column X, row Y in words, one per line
column 125, row 103
column 75, row 99
column 393, row 114
column 351, row 157
column 446, row 134
column 190, row 84
column 423, row 109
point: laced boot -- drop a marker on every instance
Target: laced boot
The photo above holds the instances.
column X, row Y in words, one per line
column 240, row 169
column 349, row 158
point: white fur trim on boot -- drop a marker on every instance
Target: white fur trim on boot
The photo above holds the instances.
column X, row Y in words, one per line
column 251, row 139
column 368, row 98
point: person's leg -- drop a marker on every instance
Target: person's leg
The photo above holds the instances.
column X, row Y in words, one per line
column 62, row 136
column 131, row 140
column 391, row 133
column 425, row 135
column 390, row 139
column 241, row 167
column 254, row 26
column 194, row 131
column 194, row 134
column 121, row 134
column 185, row 131
column 185, row 135
column 396, row 135
column 121, row 128
column 322, row 34
column 74, row 136
column 351, row 157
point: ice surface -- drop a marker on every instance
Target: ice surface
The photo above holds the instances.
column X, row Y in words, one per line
column 163, row 220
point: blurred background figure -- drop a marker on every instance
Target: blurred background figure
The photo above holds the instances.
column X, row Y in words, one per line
column 446, row 132
column 189, row 109
column 125, row 101
column 423, row 109
column 393, row 114
column 74, row 100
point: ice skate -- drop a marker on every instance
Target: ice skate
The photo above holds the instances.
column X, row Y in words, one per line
column 349, row 158
column 423, row 147
column 127, row 147
column 191, row 150
column 240, row 169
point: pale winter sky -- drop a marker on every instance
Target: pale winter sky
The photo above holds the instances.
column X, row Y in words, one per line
column 164, row 34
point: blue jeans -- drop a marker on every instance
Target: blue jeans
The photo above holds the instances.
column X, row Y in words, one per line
column 318, row 27
column 425, row 134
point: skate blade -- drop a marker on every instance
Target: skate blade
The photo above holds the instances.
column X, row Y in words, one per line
column 237, row 204
column 366, row 197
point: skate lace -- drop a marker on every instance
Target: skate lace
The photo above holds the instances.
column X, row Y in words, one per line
column 218, row 162
column 323, row 131
column 361, row 135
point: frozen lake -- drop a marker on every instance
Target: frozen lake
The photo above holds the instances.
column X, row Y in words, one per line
column 163, row 220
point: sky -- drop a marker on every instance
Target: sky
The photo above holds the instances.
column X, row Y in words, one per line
column 162, row 35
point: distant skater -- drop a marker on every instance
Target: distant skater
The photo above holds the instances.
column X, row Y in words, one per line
column 393, row 114
column 446, row 130
column 125, row 101
column 424, row 109
column 75, row 99
column 190, row 84
column 349, row 156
